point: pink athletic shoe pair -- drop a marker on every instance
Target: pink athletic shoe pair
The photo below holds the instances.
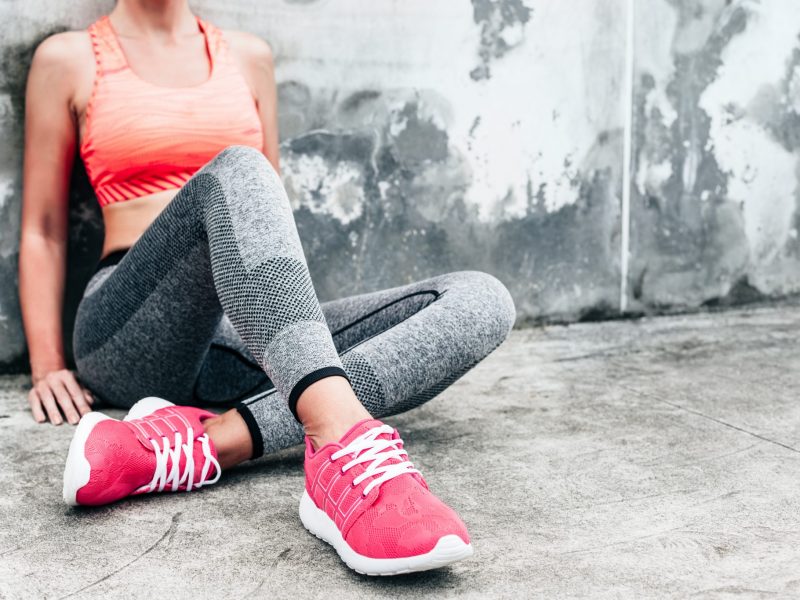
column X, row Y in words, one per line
column 362, row 495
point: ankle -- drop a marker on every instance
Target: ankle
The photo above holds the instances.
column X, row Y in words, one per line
column 332, row 421
column 330, row 433
column 328, row 409
column 231, row 438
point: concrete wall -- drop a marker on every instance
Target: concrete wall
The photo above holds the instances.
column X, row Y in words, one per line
column 420, row 136
column 714, row 211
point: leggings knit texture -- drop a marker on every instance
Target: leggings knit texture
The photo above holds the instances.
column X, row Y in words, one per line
column 214, row 303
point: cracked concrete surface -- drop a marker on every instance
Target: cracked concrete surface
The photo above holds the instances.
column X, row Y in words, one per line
column 656, row 458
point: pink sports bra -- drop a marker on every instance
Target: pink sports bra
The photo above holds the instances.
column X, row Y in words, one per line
column 141, row 138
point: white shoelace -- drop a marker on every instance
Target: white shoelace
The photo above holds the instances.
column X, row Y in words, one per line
column 367, row 448
column 161, row 478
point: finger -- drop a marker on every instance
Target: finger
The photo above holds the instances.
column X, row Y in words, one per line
column 49, row 402
column 86, row 393
column 65, row 402
column 81, row 404
column 36, row 406
column 75, row 391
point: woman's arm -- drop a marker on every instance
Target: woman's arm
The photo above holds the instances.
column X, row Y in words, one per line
column 50, row 139
column 255, row 57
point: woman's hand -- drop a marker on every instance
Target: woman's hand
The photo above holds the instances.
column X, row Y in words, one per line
column 57, row 393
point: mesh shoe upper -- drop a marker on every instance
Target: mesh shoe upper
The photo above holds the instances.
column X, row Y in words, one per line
column 397, row 518
column 166, row 450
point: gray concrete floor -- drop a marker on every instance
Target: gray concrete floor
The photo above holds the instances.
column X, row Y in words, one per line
column 658, row 458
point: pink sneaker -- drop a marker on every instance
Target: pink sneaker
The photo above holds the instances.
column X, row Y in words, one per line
column 159, row 446
column 365, row 498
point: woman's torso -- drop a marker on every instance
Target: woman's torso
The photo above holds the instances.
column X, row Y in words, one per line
column 143, row 73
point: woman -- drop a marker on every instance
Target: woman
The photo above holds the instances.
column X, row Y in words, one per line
column 203, row 293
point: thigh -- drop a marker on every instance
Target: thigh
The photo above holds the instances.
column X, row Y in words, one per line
column 146, row 328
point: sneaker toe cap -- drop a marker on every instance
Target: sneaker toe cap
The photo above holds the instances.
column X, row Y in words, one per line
column 403, row 527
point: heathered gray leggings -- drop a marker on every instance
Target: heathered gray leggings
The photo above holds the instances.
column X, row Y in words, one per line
column 214, row 303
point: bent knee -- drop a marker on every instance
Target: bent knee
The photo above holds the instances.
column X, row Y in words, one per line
column 240, row 155
column 243, row 176
column 240, row 165
column 491, row 300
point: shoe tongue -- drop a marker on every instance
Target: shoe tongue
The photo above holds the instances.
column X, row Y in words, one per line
column 361, row 428
column 396, row 484
column 200, row 459
column 196, row 416
column 164, row 422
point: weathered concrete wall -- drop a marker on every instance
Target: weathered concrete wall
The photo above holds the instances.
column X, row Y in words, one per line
column 717, row 140
column 421, row 136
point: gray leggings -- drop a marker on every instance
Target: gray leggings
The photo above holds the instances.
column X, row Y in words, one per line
column 214, row 304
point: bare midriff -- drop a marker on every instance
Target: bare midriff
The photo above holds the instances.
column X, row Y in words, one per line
column 125, row 222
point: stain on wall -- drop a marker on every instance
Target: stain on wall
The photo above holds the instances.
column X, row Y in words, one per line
column 715, row 202
column 502, row 26
column 397, row 194
column 415, row 166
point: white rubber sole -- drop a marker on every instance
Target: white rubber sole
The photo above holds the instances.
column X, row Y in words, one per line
column 146, row 406
column 448, row 549
column 78, row 469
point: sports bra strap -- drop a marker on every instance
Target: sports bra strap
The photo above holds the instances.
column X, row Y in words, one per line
column 110, row 57
column 107, row 51
column 216, row 42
